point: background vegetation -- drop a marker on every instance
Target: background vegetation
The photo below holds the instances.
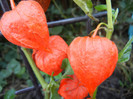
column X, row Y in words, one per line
column 14, row 76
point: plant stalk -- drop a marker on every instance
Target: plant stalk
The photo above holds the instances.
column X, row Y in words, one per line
column 47, row 95
column 94, row 95
column 34, row 68
column 110, row 22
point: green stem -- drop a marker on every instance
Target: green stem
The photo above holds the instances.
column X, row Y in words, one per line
column 95, row 93
column 98, row 27
column 110, row 22
column 59, row 9
column 47, row 95
column 34, row 68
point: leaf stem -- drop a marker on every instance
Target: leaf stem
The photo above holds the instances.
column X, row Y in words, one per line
column 98, row 27
column 94, row 95
column 110, row 22
column 12, row 4
column 34, row 68
column 47, row 95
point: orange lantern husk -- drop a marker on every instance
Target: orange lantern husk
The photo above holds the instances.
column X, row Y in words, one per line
column 93, row 60
column 51, row 59
column 26, row 26
column 71, row 88
column 44, row 3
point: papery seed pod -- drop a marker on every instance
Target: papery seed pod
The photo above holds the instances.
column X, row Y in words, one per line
column 93, row 60
column 43, row 3
column 26, row 26
column 51, row 60
column 71, row 88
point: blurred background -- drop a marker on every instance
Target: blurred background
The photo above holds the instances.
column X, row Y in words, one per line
column 14, row 76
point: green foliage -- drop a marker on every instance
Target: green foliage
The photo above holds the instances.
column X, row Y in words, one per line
column 10, row 94
column 126, row 81
column 47, row 77
column 56, row 30
column 54, row 93
column 124, row 19
column 58, row 76
column 124, row 54
column 67, row 66
column 126, row 10
column 14, row 67
column 10, row 65
column 87, row 7
column 115, row 14
column 101, row 7
column 126, row 70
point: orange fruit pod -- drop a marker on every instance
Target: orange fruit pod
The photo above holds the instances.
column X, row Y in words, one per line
column 93, row 60
column 51, row 59
column 26, row 26
column 72, row 88
column 43, row 3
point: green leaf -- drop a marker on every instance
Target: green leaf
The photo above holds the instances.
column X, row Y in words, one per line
column 101, row 7
column 22, row 71
column 121, row 83
column 10, row 55
column 5, row 73
column 56, row 30
column 87, row 7
column 47, row 77
column 58, row 76
column 54, row 93
column 115, row 14
column 64, row 63
column 2, row 63
column 68, row 77
column 42, row 73
column 1, row 88
column 124, row 54
column 10, row 94
column 14, row 66
column 17, row 69
column 29, row 83
column 68, row 69
column 2, row 82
